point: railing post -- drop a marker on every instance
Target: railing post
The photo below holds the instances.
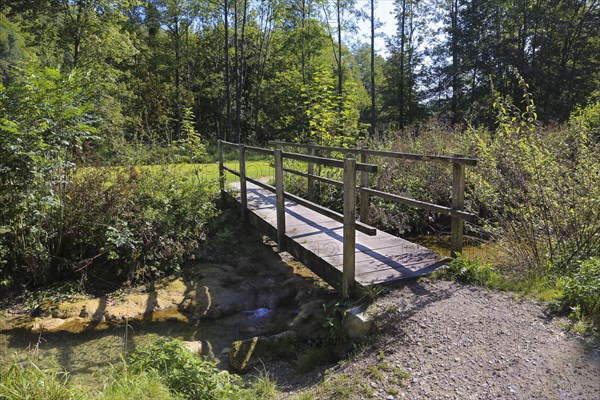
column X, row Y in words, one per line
column 458, row 203
column 280, row 200
column 221, row 170
column 364, row 182
column 243, row 191
column 310, row 191
column 349, row 227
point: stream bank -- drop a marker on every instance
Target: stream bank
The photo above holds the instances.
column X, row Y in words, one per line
column 237, row 290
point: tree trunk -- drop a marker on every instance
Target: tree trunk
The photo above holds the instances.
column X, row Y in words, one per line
column 373, row 115
column 227, row 72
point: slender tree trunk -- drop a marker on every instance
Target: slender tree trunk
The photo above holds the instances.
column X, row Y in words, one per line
column 340, row 77
column 373, row 115
column 455, row 69
column 303, row 56
column 236, row 70
column 177, row 110
column 401, row 99
column 227, row 73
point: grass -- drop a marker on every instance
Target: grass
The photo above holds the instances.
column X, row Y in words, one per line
column 171, row 373
column 256, row 169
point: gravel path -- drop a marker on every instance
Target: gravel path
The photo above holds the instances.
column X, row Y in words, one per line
column 443, row 340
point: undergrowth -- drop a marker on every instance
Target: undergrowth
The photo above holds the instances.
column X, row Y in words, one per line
column 164, row 370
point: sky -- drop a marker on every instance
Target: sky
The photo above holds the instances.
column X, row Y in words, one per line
column 384, row 12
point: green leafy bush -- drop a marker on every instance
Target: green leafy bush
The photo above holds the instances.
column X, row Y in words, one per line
column 468, row 270
column 536, row 188
column 184, row 373
column 581, row 290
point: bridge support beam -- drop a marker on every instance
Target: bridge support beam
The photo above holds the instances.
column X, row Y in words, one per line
column 364, row 182
column 243, row 192
column 348, row 274
column 310, row 188
column 458, row 203
column 221, row 170
column 279, row 200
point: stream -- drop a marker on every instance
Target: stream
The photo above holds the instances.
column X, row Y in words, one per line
column 87, row 355
column 261, row 283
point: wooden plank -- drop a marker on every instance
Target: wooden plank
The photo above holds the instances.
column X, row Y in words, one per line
column 280, row 202
column 384, row 153
column 458, row 203
column 313, row 177
column 421, row 204
column 369, row 230
column 310, row 188
column 364, row 196
column 317, row 241
column 221, row 170
column 348, row 272
column 330, row 162
column 243, row 192
column 260, row 150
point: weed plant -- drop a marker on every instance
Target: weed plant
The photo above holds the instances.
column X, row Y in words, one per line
column 164, row 370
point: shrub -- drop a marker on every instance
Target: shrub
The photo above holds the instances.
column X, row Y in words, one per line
column 537, row 188
column 581, row 290
column 184, row 373
column 468, row 270
column 132, row 224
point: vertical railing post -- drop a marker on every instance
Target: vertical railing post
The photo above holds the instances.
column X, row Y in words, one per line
column 280, row 200
column 310, row 191
column 349, row 227
column 458, row 203
column 364, row 182
column 243, row 191
column 221, row 170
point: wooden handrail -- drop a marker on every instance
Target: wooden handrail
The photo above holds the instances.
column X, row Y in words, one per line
column 330, row 162
column 382, row 153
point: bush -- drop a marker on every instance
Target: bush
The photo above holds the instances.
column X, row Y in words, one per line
column 581, row 291
column 184, row 373
column 137, row 224
column 536, row 188
column 467, row 270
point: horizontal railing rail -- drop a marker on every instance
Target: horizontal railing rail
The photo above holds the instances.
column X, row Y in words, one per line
column 380, row 153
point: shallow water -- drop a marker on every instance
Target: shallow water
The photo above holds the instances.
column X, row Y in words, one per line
column 87, row 355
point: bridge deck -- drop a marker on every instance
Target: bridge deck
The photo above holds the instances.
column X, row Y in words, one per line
column 316, row 240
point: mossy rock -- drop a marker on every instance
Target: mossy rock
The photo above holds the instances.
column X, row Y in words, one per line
column 241, row 354
column 245, row 353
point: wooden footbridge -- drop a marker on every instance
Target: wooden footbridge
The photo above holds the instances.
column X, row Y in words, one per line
column 341, row 250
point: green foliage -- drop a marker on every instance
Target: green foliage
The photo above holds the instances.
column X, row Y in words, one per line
column 587, row 121
column 184, row 373
column 139, row 385
column 193, row 146
column 28, row 381
column 12, row 48
column 333, row 121
column 466, row 270
column 581, row 291
column 43, row 120
column 537, row 188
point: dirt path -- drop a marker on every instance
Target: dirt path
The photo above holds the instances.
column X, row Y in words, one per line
column 444, row 340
